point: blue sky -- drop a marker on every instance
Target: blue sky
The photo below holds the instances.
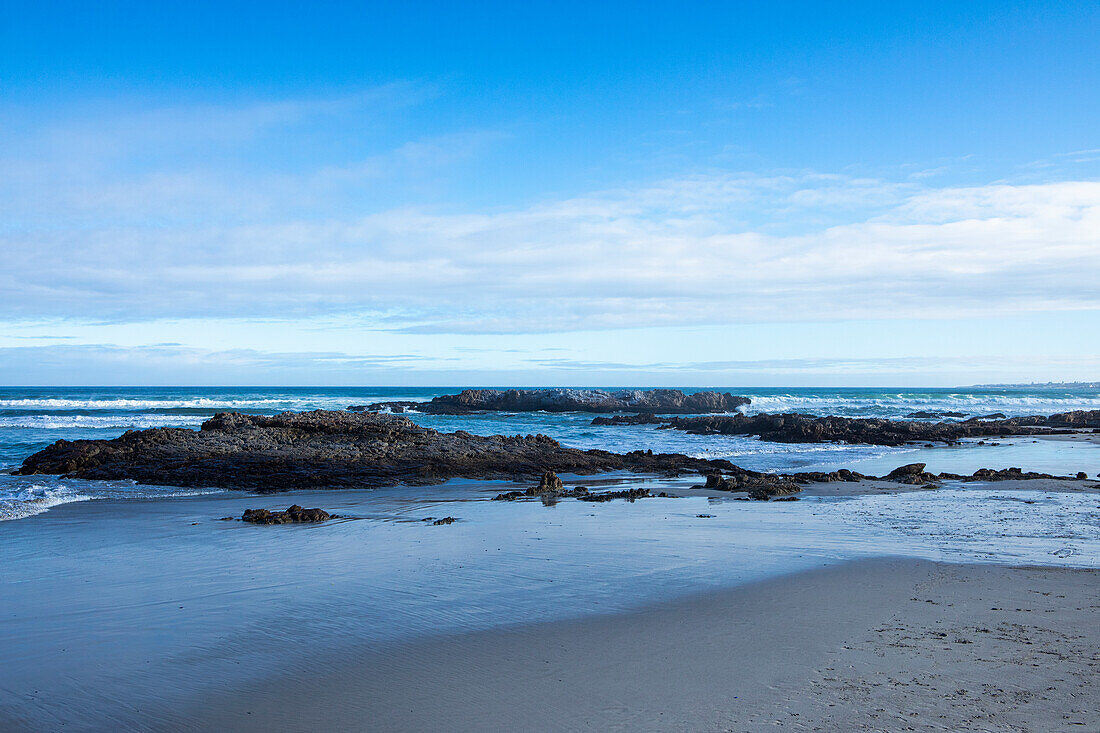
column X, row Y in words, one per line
column 506, row 193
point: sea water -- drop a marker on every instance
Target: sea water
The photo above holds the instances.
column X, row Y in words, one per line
column 33, row 417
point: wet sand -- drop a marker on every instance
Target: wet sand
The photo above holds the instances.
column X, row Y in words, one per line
column 703, row 612
column 887, row 644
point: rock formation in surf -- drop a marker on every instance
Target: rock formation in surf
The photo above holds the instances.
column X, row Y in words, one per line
column 799, row 428
column 664, row 401
column 330, row 449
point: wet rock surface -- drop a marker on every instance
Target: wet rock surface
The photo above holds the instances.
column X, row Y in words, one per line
column 292, row 514
column 326, row 449
column 761, row 486
column 668, row 401
column 331, row 449
column 800, row 428
column 551, row 488
column 642, row 419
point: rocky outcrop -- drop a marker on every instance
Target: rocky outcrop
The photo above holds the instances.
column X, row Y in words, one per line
column 760, row 486
column 325, row 449
column 643, row 419
column 665, row 401
column 1075, row 419
column 912, row 473
column 800, row 428
column 549, row 484
column 1003, row 474
column 294, row 513
column 924, row 415
column 764, row 486
column 331, row 450
column 628, row 494
column 551, row 488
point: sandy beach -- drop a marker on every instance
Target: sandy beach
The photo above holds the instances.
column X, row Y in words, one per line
column 889, row 644
column 694, row 613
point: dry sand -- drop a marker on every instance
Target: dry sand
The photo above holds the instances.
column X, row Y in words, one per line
column 879, row 645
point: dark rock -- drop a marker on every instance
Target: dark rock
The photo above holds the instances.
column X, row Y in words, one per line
column 571, row 400
column 787, row 498
column 800, row 428
column 346, row 449
column 548, row 484
column 331, row 450
column 705, row 516
column 1075, row 419
column 646, row 419
column 294, row 513
column 821, row 477
column 1081, row 475
column 910, row 469
column 762, row 484
column 923, row 415
column 1004, row 474
column 628, row 494
column 396, row 407
column 445, row 520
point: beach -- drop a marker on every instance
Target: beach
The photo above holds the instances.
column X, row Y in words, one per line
column 889, row 644
column 865, row 604
column 700, row 612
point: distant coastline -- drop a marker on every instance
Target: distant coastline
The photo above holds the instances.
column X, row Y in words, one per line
column 1036, row 385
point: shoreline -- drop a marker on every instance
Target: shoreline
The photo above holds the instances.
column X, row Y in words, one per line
column 171, row 606
column 876, row 644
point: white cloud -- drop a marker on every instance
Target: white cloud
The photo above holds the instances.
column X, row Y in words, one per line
column 677, row 252
column 88, row 233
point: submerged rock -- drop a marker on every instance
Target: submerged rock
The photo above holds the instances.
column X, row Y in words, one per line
column 293, row 513
column 758, row 485
column 628, row 494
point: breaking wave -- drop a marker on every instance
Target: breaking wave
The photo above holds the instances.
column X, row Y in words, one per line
column 901, row 404
column 20, row 498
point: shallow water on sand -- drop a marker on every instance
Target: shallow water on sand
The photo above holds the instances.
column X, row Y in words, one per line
column 115, row 606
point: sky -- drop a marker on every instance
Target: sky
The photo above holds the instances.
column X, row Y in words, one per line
column 566, row 193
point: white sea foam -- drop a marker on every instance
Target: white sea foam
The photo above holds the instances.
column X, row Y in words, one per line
column 124, row 422
column 20, row 498
column 35, row 499
column 901, row 404
column 58, row 403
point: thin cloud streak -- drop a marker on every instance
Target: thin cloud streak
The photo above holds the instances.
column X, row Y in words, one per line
column 675, row 253
column 164, row 214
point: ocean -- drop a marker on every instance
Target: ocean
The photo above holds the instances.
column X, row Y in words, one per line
column 124, row 605
column 33, row 417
